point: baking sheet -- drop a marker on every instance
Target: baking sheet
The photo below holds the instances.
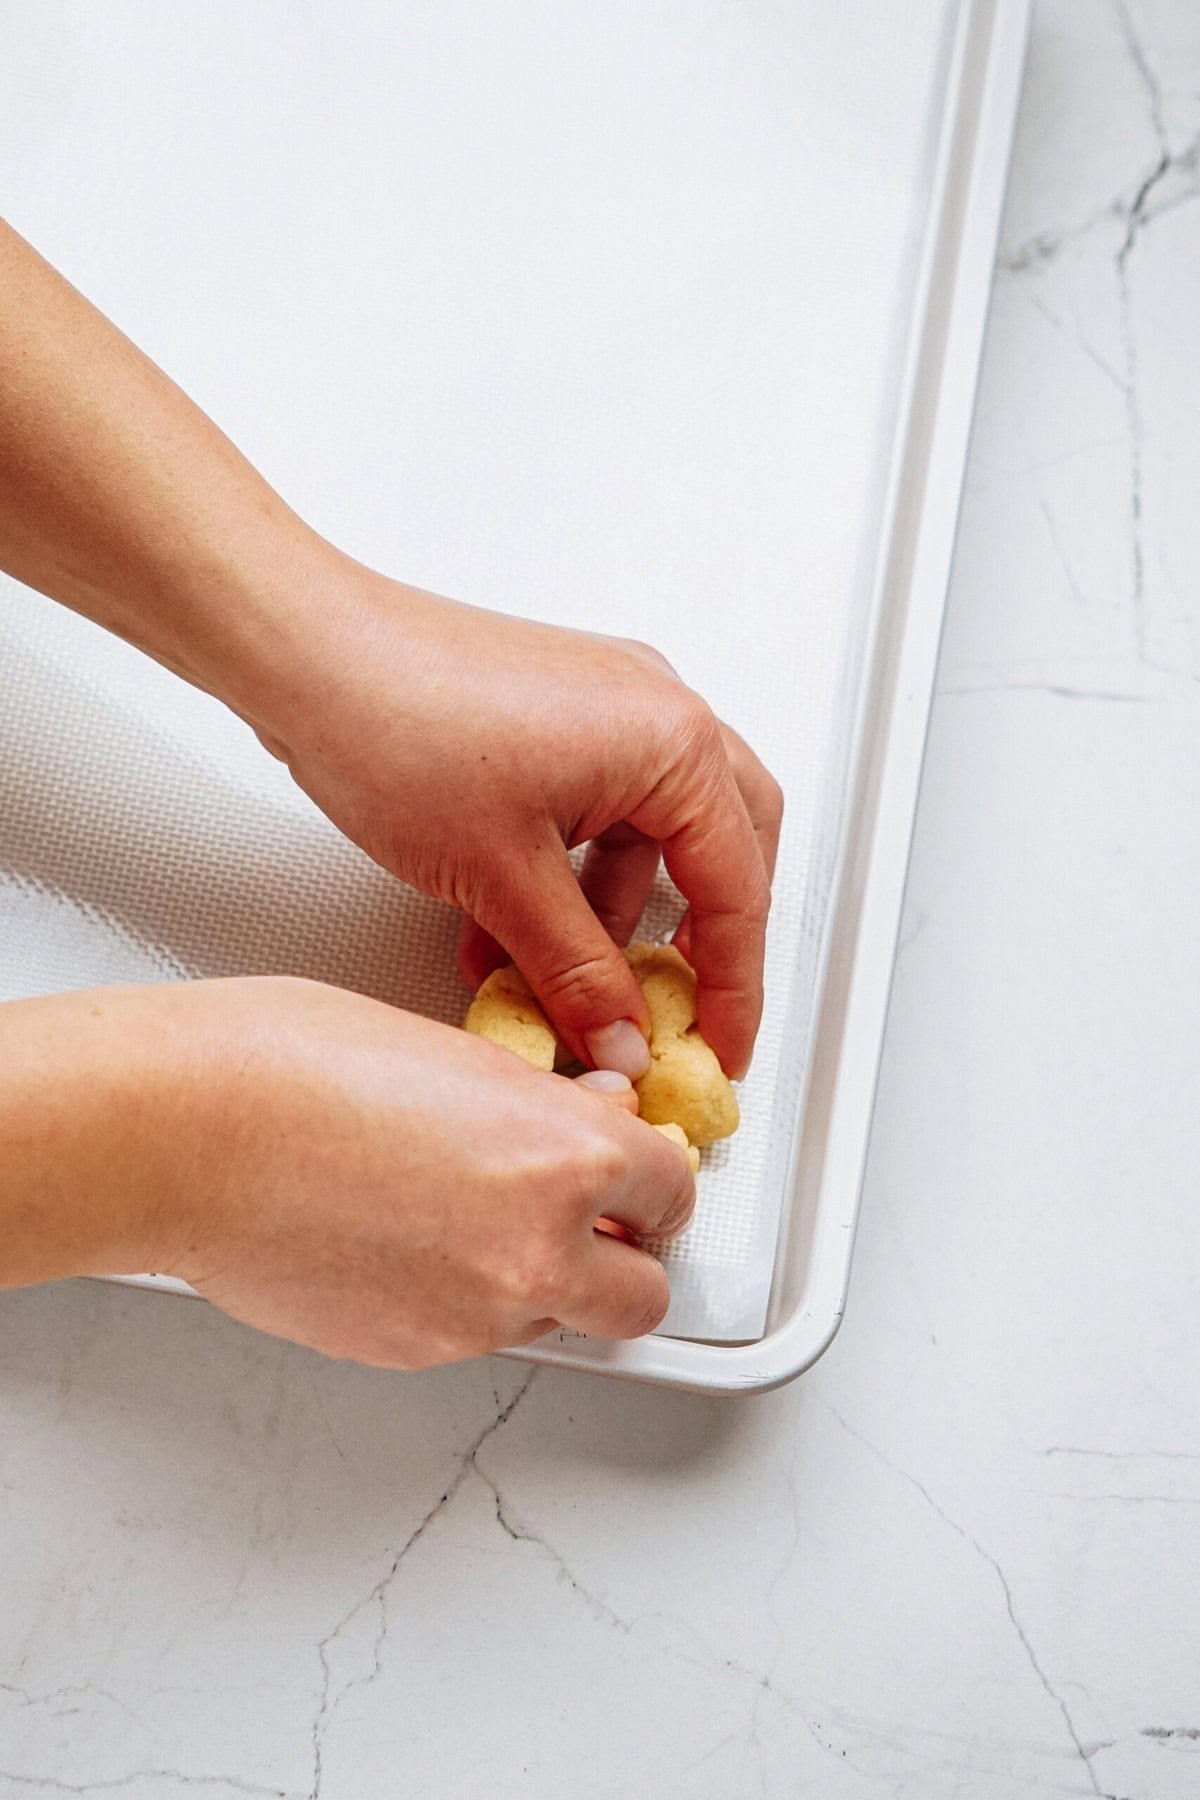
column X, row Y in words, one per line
column 594, row 315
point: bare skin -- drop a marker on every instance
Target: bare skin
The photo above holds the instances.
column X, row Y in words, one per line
column 464, row 751
column 299, row 1155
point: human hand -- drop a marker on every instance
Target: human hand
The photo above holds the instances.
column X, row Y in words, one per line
column 383, row 1188
column 467, row 752
column 464, row 750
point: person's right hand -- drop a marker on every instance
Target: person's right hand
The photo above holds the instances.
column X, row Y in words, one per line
column 380, row 1187
column 468, row 752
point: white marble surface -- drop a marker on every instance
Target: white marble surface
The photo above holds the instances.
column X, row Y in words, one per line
column 958, row 1560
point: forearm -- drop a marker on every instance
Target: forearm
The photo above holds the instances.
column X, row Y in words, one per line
column 120, row 498
column 84, row 1132
column 466, row 752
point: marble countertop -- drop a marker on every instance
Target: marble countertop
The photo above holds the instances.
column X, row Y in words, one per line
column 958, row 1558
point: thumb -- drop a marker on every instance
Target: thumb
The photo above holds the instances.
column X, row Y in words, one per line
column 579, row 975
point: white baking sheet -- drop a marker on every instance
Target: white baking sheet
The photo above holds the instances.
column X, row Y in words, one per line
column 593, row 314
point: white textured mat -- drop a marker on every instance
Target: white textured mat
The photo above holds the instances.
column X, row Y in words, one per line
column 593, row 314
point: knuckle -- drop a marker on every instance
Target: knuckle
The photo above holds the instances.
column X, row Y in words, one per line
column 534, row 1276
column 603, row 1166
column 680, row 1212
column 599, row 1166
column 703, row 743
column 702, row 723
column 649, row 1312
column 758, row 898
column 646, row 653
column 774, row 801
column 578, row 983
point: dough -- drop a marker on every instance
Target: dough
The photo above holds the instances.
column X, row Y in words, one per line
column 684, row 1093
column 685, row 1084
column 505, row 1012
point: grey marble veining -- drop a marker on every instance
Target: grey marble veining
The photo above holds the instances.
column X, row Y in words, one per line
column 956, row 1562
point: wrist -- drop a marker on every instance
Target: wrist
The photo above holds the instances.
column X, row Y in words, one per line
column 248, row 617
column 285, row 635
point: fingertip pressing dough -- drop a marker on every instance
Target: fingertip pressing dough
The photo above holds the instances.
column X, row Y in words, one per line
column 685, row 1085
column 684, row 1093
column 505, row 1012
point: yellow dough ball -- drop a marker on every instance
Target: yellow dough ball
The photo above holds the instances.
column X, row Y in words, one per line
column 678, row 1135
column 685, row 1084
column 505, row 1012
column 684, row 1093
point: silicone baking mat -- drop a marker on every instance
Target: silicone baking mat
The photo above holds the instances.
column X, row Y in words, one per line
column 592, row 314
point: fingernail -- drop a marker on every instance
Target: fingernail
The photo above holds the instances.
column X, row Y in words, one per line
column 619, row 1046
column 605, row 1081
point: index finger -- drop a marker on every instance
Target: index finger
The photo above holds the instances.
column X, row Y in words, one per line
column 764, row 802
column 655, row 1195
column 716, row 862
column 761, row 792
column 613, row 1287
column 620, row 1291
